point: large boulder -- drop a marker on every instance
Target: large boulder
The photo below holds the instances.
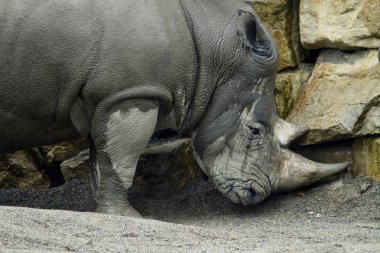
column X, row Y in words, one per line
column 281, row 18
column 39, row 167
column 76, row 167
column 342, row 98
column 17, row 170
column 64, row 150
column 166, row 167
column 340, row 24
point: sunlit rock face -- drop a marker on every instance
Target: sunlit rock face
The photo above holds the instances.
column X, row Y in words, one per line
column 342, row 98
column 340, row 24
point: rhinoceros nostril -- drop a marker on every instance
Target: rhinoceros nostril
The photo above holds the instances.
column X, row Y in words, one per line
column 246, row 196
column 252, row 192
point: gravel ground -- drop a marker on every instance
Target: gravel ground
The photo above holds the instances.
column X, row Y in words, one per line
column 342, row 215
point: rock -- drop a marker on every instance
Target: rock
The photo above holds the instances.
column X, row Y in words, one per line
column 340, row 24
column 365, row 186
column 366, row 158
column 167, row 167
column 76, row 167
column 330, row 152
column 19, row 171
column 64, row 150
column 289, row 86
column 281, row 18
column 342, row 97
column 336, row 185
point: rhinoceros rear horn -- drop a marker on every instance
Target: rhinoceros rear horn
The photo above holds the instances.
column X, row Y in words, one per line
column 286, row 133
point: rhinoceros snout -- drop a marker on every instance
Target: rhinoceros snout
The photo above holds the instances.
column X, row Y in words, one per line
column 246, row 192
column 246, row 196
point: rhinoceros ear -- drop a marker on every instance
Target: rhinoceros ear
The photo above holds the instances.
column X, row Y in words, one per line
column 246, row 24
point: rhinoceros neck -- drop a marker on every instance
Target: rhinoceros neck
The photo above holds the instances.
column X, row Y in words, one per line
column 211, row 26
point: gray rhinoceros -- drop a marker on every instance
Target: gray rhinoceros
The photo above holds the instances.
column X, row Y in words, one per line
column 120, row 70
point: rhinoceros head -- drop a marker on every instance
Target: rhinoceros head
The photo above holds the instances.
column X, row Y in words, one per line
column 241, row 143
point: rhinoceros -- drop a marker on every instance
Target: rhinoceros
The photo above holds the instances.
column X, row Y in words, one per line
column 119, row 71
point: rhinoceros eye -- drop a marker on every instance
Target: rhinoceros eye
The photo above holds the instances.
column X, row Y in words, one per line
column 257, row 130
column 254, row 137
column 254, row 130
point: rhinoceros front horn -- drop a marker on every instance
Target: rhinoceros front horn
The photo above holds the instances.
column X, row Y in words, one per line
column 296, row 171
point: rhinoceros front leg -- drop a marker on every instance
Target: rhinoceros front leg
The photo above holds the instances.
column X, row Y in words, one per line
column 120, row 133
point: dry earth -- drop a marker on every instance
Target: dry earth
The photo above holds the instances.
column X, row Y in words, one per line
column 342, row 215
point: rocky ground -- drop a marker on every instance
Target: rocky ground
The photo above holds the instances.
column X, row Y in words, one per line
column 342, row 215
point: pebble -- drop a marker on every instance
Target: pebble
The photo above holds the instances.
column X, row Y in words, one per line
column 318, row 215
column 364, row 187
column 311, row 212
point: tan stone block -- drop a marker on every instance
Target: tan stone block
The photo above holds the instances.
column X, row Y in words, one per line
column 342, row 97
column 340, row 24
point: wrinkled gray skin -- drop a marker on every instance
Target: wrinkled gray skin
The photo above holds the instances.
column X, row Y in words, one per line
column 119, row 70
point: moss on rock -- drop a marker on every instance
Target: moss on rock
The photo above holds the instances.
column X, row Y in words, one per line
column 366, row 157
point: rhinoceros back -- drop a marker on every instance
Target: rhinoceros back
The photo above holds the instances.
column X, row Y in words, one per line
column 54, row 51
column 46, row 50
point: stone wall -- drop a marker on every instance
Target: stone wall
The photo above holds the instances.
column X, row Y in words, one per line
column 329, row 78
column 329, row 75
